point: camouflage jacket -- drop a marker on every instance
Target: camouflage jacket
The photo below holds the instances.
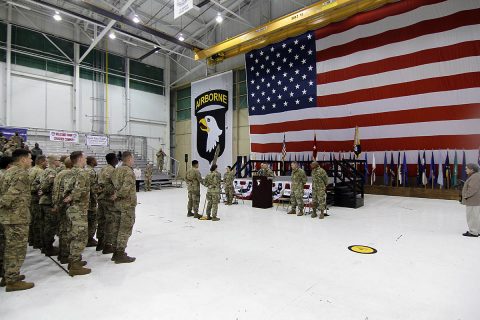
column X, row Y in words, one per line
column 160, row 155
column 78, row 187
column 94, row 188
column 34, row 175
column 46, row 185
column 123, row 180
column 228, row 178
column 149, row 171
column 105, row 183
column 266, row 173
column 59, row 187
column 193, row 179
column 15, row 199
column 319, row 179
column 299, row 178
column 213, row 182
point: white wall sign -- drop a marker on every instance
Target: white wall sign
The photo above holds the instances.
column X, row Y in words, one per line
column 96, row 140
column 181, row 7
column 212, row 118
column 64, row 136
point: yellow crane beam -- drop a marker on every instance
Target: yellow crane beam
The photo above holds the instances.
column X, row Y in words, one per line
column 309, row 18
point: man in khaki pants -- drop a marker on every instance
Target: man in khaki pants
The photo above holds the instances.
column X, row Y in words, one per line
column 471, row 198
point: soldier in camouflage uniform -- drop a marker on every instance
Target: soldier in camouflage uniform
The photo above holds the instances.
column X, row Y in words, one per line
column 15, row 218
column 17, row 140
column 36, row 224
column 106, row 207
column 160, row 159
column 319, row 185
column 62, row 163
column 228, row 178
column 92, row 207
column 61, row 209
column 9, row 148
column 123, row 180
column 265, row 171
column 299, row 178
column 49, row 216
column 77, row 195
column 4, row 165
column 3, row 142
column 213, row 183
column 193, row 179
column 148, row 177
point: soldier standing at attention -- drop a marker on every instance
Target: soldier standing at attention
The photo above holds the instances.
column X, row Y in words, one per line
column 299, row 178
column 49, row 216
column 76, row 195
column 17, row 140
column 92, row 207
column 4, row 165
column 228, row 178
column 15, row 218
column 148, row 177
column 123, row 180
column 106, row 206
column 265, row 171
column 193, row 179
column 61, row 209
column 213, row 183
column 36, row 224
column 160, row 159
column 319, row 185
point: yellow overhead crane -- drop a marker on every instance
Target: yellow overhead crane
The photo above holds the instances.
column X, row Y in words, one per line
column 312, row 17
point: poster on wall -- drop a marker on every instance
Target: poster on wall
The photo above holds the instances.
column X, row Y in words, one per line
column 180, row 7
column 212, row 113
column 91, row 140
column 64, row 136
column 10, row 131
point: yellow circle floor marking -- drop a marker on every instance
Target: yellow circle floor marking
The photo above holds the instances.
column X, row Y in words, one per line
column 362, row 249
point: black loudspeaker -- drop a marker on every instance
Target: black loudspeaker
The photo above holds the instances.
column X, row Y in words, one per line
column 186, row 157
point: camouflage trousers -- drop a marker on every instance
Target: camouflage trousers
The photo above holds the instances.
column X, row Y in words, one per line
column 229, row 192
column 77, row 231
column 2, row 249
column 64, row 241
column 319, row 200
column 193, row 201
column 107, row 228
column 36, row 224
column 160, row 164
column 50, row 225
column 125, row 226
column 296, row 200
column 16, row 240
column 92, row 222
column 148, row 183
column 212, row 204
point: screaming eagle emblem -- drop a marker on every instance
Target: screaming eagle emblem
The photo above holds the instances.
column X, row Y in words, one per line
column 210, row 110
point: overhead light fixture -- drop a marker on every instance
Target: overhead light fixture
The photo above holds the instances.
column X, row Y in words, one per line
column 112, row 35
column 219, row 18
column 130, row 43
column 136, row 19
column 19, row 5
column 57, row 16
column 180, row 37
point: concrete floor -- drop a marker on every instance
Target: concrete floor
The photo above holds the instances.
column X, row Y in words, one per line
column 263, row 264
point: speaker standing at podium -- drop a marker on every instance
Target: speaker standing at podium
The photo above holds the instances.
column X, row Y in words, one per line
column 265, row 171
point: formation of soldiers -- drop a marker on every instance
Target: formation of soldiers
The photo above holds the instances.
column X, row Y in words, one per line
column 63, row 197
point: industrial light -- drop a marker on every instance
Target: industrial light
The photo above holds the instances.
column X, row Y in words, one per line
column 180, row 37
column 136, row 19
column 57, row 16
column 112, row 35
column 219, row 18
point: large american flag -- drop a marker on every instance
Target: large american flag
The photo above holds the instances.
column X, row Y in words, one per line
column 407, row 74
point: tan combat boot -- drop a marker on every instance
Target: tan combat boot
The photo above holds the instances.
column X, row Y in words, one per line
column 19, row 285
column 215, row 219
column 197, row 216
column 322, row 215
column 108, row 249
column 122, row 257
column 300, row 213
column 206, row 218
column 291, row 212
column 3, row 282
column 76, row 269
column 313, row 215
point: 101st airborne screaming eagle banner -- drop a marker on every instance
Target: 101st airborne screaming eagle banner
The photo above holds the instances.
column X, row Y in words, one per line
column 212, row 113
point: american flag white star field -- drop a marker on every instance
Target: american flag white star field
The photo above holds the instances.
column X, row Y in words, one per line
column 407, row 74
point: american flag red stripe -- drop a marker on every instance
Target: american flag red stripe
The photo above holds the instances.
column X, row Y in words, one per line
column 408, row 74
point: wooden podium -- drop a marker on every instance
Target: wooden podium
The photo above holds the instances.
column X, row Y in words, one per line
column 262, row 192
